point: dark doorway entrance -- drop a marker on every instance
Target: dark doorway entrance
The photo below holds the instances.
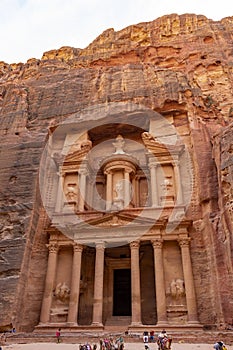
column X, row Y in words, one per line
column 122, row 292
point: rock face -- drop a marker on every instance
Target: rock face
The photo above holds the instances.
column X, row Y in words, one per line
column 177, row 66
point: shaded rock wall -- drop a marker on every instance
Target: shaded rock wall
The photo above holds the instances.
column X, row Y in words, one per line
column 180, row 66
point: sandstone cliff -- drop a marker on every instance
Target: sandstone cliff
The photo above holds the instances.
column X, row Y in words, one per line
column 180, row 66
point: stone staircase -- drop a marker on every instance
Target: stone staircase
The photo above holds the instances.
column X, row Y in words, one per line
column 117, row 324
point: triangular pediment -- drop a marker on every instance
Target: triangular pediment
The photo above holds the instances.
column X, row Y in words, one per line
column 75, row 156
column 118, row 220
column 72, row 158
column 158, row 148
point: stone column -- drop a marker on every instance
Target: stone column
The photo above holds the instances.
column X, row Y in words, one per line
column 178, row 183
column 188, row 281
column 159, row 282
column 75, row 284
column 135, row 284
column 98, row 286
column 90, row 199
column 49, row 283
column 60, row 194
column 137, row 192
column 127, row 189
column 82, row 189
column 109, row 190
column 154, row 189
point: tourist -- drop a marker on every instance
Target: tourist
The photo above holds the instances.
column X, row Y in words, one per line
column 102, row 344
column 88, row 346
column 58, row 335
column 152, row 333
column 145, row 337
column 219, row 346
column 163, row 340
column 120, row 343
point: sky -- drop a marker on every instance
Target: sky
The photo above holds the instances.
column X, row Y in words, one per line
column 28, row 28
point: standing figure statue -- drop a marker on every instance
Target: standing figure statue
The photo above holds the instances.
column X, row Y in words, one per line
column 119, row 144
column 119, row 189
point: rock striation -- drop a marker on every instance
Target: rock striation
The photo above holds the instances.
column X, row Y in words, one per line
column 179, row 66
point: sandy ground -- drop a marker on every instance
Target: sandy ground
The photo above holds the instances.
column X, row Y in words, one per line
column 128, row 346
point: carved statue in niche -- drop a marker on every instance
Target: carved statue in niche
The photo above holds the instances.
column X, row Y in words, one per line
column 119, row 144
column 167, row 190
column 118, row 200
column 119, row 189
column 147, row 136
column 177, row 291
column 62, row 292
column 167, row 185
column 71, row 193
column 173, row 289
column 180, row 291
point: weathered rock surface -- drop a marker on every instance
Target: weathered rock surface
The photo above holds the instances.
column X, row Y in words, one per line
column 180, row 66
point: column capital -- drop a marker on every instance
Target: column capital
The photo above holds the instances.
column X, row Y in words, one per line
column 184, row 242
column 100, row 246
column 134, row 244
column 127, row 170
column 52, row 247
column 153, row 165
column 77, row 247
column 108, row 172
column 153, row 160
column 61, row 173
column 157, row 243
column 175, row 162
column 83, row 172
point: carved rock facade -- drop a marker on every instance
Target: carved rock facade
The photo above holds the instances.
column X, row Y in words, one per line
column 116, row 180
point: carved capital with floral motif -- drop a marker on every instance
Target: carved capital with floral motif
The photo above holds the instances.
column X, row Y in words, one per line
column 184, row 242
column 134, row 245
column 78, row 248
column 157, row 243
column 53, row 248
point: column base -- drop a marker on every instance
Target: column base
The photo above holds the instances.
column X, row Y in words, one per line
column 155, row 206
column 135, row 326
column 194, row 324
column 97, row 325
column 44, row 323
column 162, row 323
column 72, row 324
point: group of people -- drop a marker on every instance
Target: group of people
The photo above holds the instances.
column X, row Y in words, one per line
column 104, row 344
column 87, row 346
column 163, row 340
column 111, row 344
